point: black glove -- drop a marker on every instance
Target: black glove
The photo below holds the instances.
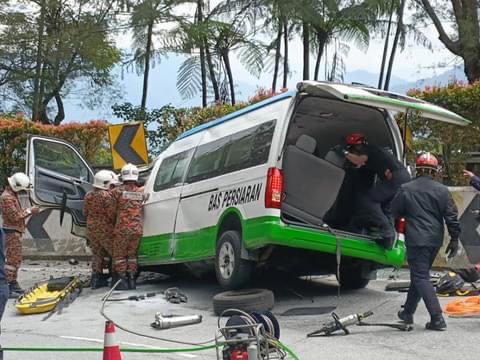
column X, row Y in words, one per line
column 452, row 248
column 339, row 149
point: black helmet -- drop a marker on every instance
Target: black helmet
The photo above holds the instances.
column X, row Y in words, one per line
column 449, row 283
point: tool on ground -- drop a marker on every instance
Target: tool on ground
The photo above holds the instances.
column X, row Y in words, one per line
column 137, row 297
column 49, row 296
column 249, row 336
column 172, row 295
column 111, row 350
column 340, row 324
column 167, row 321
column 353, row 319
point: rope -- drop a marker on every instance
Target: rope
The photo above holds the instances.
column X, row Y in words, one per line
column 464, row 307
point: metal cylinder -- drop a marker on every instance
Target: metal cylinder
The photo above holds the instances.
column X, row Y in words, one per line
column 171, row 321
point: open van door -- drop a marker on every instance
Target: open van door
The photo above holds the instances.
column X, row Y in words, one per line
column 381, row 99
column 60, row 178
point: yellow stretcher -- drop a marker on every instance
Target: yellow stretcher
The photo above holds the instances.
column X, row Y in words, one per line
column 46, row 295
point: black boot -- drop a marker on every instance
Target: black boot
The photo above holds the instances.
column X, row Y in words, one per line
column 123, row 284
column 15, row 291
column 132, row 281
column 406, row 318
column 98, row 281
column 436, row 323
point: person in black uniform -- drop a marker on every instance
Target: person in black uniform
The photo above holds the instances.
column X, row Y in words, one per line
column 426, row 205
column 374, row 204
column 473, row 179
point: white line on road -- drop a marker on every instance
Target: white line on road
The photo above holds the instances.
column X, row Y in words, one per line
column 123, row 343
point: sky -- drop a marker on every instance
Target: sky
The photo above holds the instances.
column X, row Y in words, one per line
column 412, row 64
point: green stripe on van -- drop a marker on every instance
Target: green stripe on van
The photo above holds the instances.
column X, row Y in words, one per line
column 259, row 232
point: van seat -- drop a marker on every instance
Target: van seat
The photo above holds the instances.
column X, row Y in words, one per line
column 311, row 184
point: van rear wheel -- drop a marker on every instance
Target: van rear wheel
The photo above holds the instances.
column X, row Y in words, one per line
column 232, row 271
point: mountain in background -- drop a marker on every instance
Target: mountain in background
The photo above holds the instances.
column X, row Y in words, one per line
column 163, row 88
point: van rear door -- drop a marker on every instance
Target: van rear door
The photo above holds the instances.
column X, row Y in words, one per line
column 381, row 99
column 60, row 177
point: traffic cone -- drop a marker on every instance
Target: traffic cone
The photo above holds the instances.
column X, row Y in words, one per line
column 111, row 350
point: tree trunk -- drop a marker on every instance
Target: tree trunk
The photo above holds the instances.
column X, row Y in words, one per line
column 43, row 109
column 278, row 42
column 306, row 51
column 202, row 55
column 60, row 110
column 472, row 66
column 228, row 68
column 322, row 42
column 395, row 44
column 146, row 72
column 213, row 77
column 385, row 47
column 38, row 66
column 285, row 54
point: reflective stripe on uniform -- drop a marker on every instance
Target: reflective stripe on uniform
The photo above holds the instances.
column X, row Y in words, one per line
column 132, row 260
column 121, row 261
column 10, row 267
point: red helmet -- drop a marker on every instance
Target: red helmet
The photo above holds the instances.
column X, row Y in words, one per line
column 356, row 139
column 427, row 160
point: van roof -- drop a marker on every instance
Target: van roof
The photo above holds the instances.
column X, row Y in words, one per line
column 236, row 114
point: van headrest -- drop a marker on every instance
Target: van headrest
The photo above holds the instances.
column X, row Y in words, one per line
column 306, row 143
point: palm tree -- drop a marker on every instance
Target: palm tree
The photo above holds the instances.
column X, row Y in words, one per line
column 221, row 33
column 146, row 14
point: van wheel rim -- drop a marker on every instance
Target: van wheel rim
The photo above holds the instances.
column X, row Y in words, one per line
column 226, row 260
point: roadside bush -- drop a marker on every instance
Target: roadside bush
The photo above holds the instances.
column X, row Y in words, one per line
column 90, row 138
column 451, row 143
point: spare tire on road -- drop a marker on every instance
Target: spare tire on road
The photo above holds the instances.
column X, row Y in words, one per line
column 247, row 300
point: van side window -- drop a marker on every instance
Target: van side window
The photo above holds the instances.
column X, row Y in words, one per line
column 241, row 150
column 171, row 171
column 207, row 161
column 249, row 147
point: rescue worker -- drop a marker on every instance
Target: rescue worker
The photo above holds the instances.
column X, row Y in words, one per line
column 426, row 205
column 473, row 179
column 14, row 226
column 128, row 227
column 99, row 209
column 374, row 204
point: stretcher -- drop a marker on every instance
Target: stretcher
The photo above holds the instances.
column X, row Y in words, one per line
column 45, row 296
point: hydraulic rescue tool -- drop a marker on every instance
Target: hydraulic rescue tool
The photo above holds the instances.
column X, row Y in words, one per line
column 171, row 321
column 249, row 336
column 352, row 319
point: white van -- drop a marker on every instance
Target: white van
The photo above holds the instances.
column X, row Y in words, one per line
column 253, row 188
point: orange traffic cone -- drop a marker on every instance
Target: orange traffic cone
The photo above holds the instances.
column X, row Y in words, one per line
column 111, row 350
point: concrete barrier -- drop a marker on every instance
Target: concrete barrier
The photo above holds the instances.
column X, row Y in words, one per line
column 467, row 200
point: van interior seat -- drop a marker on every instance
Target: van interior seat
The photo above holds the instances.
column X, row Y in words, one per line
column 311, row 184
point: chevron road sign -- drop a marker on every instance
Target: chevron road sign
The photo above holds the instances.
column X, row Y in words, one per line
column 128, row 145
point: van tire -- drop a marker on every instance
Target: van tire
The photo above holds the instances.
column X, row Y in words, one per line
column 352, row 279
column 248, row 300
column 232, row 271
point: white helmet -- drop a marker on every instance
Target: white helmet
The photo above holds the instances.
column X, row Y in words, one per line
column 129, row 173
column 19, row 181
column 115, row 179
column 103, row 179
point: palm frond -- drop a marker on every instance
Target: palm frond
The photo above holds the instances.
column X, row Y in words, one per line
column 189, row 79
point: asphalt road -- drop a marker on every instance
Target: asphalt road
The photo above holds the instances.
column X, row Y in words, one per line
column 81, row 325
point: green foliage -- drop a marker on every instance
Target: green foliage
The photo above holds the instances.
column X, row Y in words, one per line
column 69, row 47
column 90, row 138
column 451, row 143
